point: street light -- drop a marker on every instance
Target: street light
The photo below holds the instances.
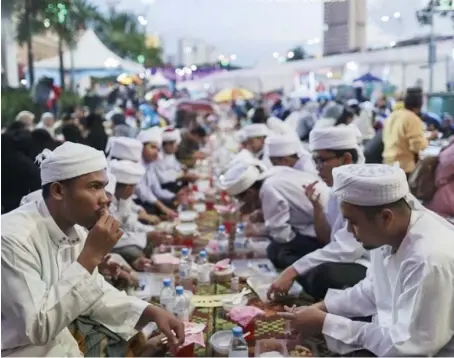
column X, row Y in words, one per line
column 233, row 57
column 385, row 18
column 291, row 54
column 142, row 20
column 392, row 43
column 193, row 68
column 397, row 15
column 276, row 55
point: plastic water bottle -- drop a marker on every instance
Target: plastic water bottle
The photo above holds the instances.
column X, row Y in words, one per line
column 204, row 273
column 185, row 269
column 240, row 242
column 181, row 305
column 238, row 346
column 222, row 239
column 167, row 296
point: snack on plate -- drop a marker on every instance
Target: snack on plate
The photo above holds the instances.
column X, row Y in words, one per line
column 301, row 351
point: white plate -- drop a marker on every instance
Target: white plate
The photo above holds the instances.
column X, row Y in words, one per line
column 220, row 341
column 187, row 228
column 187, row 216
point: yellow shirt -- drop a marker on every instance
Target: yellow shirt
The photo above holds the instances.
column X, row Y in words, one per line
column 403, row 139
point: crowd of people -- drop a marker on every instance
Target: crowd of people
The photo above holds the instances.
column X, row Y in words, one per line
column 82, row 197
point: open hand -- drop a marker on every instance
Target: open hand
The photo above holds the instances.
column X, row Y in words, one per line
column 311, row 194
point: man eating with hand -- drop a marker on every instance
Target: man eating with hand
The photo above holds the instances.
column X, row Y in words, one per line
column 49, row 262
column 408, row 289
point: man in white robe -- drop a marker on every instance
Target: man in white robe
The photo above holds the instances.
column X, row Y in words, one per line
column 287, row 212
column 343, row 261
column 151, row 195
column 49, row 274
column 409, row 287
column 287, row 150
column 168, row 169
column 255, row 136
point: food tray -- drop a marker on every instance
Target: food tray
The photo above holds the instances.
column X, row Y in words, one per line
column 261, row 283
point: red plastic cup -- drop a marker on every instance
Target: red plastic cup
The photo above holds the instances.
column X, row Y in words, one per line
column 187, row 351
column 250, row 328
column 229, row 226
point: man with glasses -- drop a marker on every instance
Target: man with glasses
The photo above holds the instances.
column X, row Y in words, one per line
column 342, row 262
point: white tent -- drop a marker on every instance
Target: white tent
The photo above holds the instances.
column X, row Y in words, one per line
column 158, row 79
column 91, row 54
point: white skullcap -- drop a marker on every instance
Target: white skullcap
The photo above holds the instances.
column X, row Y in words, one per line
column 153, row 135
column 352, row 102
column 369, row 184
column 171, row 135
column 47, row 115
column 36, row 195
column 256, row 130
column 124, row 148
column 126, row 172
column 282, row 145
column 69, row 160
column 240, row 178
column 20, row 116
column 110, row 187
column 240, row 136
column 334, row 138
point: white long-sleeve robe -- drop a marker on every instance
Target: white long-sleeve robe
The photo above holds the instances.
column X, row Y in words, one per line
column 44, row 288
column 149, row 189
column 286, row 209
column 410, row 293
column 168, row 169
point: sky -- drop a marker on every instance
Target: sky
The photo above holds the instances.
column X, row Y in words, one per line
column 254, row 29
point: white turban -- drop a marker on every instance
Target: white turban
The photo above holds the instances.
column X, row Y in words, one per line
column 124, row 148
column 153, row 135
column 282, row 145
column 110, row 187
column 336, row 138
column 171, row 135
column 278, row 126
column 69, row 160
column 126, row 172
column 240, row 136
column 369, row 184
column 256, row 130
column 36, row 195
column 240, row 178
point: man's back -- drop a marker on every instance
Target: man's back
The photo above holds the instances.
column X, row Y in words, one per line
column 403, row 139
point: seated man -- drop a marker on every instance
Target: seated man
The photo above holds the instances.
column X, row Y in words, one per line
column 122, row 148
column 49, row 262
column 188, row 151
column 409, row 285
column 343, row 261
column 287, row 212
column 136, row 235
column 288, row 151
column 168, row 169
column 150, row 194
column 255, row 140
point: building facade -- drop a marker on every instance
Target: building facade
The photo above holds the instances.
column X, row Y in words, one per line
column 196, row 52
column 345, row 26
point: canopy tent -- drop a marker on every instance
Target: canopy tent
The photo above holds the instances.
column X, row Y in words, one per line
column 90, row 55
column 158, row 80
column 368, row 77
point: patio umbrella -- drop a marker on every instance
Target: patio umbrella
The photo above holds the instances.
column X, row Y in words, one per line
column 230, row 94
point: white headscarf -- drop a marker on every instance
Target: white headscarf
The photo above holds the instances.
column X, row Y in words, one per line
column 240, row 178
column 126, row 172
column 124, row 148
column 68, row 161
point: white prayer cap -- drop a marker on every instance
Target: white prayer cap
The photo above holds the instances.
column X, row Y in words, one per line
column 25, row 115
column 69, row 160
column 256, row 130
column 126, row 172
column 278, row 126
column 282, row 145
column 352, row 102
column 124, row 148
column 36, row 195
column 369, row 184
column 110, row 187
column 47, row 115
column 240, row 136
column 153, row 135
column 171, row 135
column 240, row 178
column 334, row 138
